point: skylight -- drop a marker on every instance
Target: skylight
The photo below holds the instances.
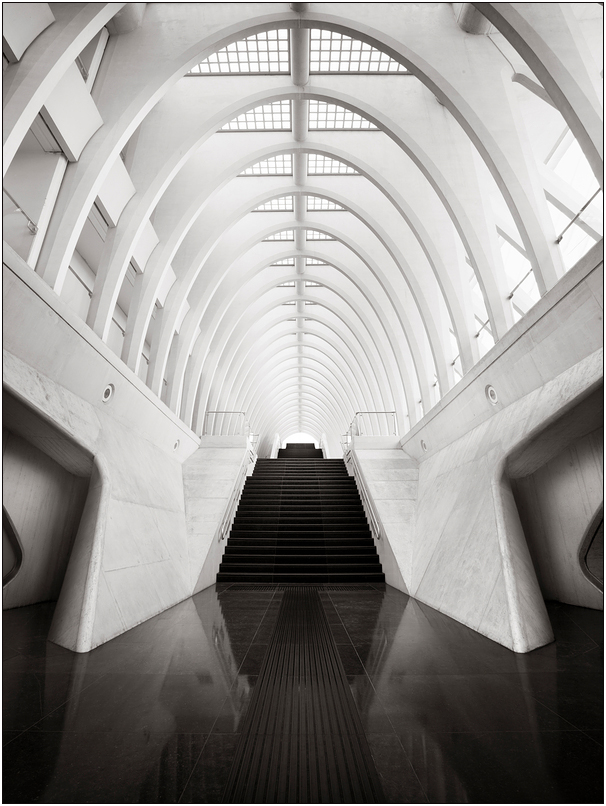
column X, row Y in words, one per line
column 268, row 117
column 319, row 165
column 314, row 235
column 283, row 235
column 280, row 165
column 281, row 204
column 288, row 284
column 266, row 52
column 312, row 284
column 331, row 52
column 317, row 203
column 323, row 115
column 287, row 261
column 312, row 261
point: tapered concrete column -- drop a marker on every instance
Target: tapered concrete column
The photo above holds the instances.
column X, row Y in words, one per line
column 299, row 167
column 300, row 239
column 300, row 111
column 300, row 265
column 299, row 56
column 300, row 205
column 471, row 20
column 300, row 292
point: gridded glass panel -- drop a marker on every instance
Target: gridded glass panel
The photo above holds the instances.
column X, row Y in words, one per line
column 287, row 261
column 280, row 165
column 309, row 302
column 290, row 302
column 283, row 235
column 311, row 284
column 289, row 284
column 266, row 52
column 323, row 115
column 312, row 261
column 317, row 203
column 314, row 235
column 281, row 204
column 268, row 117
column 332, row 52
column 319, row 165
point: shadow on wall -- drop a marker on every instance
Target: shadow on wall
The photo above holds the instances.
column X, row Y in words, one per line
column 45, row 483
column 557, row 481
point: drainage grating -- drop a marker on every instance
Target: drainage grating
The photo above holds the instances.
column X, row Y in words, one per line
column 305, row 586
column 302, row 739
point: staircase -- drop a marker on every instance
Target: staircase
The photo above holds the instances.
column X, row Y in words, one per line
column 300, row 519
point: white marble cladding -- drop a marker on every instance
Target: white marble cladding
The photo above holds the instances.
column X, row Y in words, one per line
column 209, row 477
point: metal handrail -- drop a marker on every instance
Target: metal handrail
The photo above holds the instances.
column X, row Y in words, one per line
column 582, row 210
column 31, row 225
column 234, row 498
column 369, row 508
column 243, row 425
column 361, row 413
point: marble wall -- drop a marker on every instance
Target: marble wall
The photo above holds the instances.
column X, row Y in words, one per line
column 131, row 558
column 557, row 503
column 469, row 554
column 45, row 503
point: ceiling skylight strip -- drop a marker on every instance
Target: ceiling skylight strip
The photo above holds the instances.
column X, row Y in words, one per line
column 314, row 235
column 316, row 203
column 331, row 52
column 323, row 116
column 312, row 261
column 281, row 204
column 283, row 235
column 268, row 117
column 319, row 165
column 287, row 261
column 265, row 52
column 280, row 165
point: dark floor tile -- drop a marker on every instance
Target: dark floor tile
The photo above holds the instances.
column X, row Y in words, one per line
column 130, row 703
column 340, row 634
column 10, row 735
column 454, row 703
column 107, row 768
column 372, row 714
column 529, row 767
column 398, row 778
column 210, row 774
column 28, row 697
column 254, row 659
column 577, row 697
column 350, row 660
column 231, row 716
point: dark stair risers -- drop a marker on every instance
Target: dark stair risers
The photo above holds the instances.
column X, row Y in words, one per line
column 300, row 520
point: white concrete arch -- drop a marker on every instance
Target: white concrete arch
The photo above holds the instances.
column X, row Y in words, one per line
column 216, row 304
column 231, row 339
column 358, row 343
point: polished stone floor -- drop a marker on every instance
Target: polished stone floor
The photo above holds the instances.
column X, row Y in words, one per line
column 154, row 715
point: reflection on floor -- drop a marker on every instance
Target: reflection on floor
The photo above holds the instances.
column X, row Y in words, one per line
column 154, row 715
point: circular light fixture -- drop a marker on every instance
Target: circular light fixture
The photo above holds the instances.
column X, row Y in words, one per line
column 424, row 445
column 491, row 395
column 108, row 393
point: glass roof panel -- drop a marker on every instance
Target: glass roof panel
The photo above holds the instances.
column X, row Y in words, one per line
column 281, row 204
column 314, row 235
column 280, row 165
column 323, row 116
column 331, row 52
column 283, row 235
column 312, row 261
column 287, row 261
column 319, row 165
column 266, row 52
column 317, row 203
column 268, row 117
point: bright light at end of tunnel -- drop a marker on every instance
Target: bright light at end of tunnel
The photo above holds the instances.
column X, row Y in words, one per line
column 301, row 436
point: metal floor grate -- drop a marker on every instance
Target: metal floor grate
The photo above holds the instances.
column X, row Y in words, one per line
column 302, row 739
column 354, row 588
